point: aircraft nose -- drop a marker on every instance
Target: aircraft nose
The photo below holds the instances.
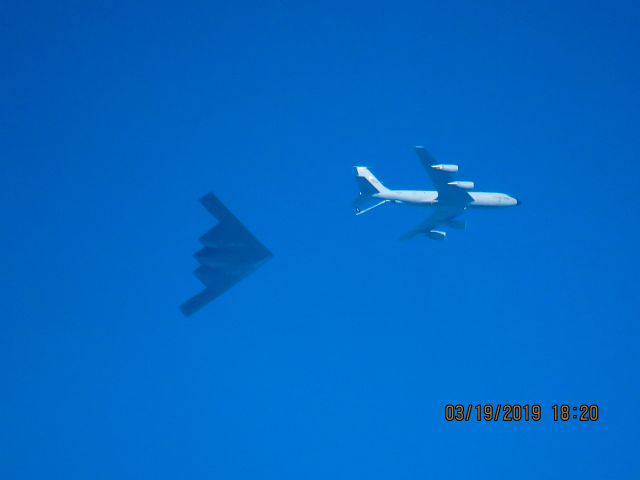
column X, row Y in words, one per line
column 518, row 202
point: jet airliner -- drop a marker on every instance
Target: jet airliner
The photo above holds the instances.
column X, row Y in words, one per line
column 450, row 199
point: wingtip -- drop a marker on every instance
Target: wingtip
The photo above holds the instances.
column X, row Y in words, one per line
column 184, row 309
column 207, row 197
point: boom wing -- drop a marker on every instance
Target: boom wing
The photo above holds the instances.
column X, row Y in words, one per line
column 230, row 252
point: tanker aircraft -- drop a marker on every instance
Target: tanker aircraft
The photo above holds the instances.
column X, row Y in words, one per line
column 450, row 199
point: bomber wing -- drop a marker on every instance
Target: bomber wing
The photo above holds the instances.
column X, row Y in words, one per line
column 442, row 180
column 230, row 252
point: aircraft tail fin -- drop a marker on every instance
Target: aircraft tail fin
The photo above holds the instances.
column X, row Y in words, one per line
column 368, row 183
column 369, row 186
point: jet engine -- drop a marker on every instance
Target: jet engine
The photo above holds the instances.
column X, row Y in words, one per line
column 446, row 168
column 436, row 235
column 463, row 185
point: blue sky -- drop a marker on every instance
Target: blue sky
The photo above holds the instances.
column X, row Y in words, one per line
column 336, row 359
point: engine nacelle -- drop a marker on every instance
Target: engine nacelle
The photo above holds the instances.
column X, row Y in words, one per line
column 463, row 185
column 437, row 235
column 446, row 168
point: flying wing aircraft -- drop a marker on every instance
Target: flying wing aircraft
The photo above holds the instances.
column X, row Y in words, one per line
column 230, row 252
column 450, row 199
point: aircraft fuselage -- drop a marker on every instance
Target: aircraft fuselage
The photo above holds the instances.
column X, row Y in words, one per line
column 428, row 197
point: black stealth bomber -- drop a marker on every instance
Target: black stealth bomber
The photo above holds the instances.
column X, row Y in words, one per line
column 230, row 252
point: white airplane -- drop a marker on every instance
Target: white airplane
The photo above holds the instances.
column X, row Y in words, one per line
column 450, row 199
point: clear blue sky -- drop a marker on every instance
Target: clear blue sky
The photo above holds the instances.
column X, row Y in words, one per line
column 336, row 359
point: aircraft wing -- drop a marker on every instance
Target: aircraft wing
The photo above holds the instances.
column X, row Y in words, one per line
column 441, row 214
column 230, row 252
column 441, row 179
